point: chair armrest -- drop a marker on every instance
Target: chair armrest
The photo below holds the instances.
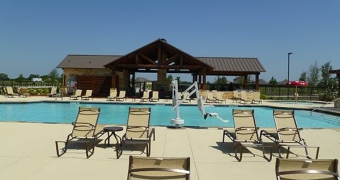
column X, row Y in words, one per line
column 152, row 134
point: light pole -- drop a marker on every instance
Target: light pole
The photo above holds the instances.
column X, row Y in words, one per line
column 288, row 73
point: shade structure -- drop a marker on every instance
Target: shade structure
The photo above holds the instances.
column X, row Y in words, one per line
column 297, row 84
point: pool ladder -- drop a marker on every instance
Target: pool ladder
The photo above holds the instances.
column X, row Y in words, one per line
column 323, row 105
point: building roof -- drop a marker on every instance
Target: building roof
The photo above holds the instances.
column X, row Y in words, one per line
column 232, row 65
column 336, row 71
column 220, row 64
column 146, row 57
column 87, row 61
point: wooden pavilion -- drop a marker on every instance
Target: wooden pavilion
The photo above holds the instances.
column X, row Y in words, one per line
column 102, row 72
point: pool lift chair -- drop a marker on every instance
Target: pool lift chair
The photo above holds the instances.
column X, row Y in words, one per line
column 84, row 134
column 176, row 102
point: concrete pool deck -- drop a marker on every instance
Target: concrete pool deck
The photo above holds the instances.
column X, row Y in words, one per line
column 28, row 151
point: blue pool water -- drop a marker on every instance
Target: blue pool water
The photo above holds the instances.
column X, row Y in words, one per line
column 160, row 114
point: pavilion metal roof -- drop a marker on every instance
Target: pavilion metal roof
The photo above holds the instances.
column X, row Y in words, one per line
column 220, row 64
column 87, row 61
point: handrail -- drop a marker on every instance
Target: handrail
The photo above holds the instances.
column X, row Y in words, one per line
column 323, row 105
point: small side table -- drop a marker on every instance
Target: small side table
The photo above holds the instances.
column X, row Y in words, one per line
column 112, row 130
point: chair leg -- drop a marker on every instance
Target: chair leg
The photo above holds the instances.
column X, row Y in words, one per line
column 119, row 150
column 63, row 150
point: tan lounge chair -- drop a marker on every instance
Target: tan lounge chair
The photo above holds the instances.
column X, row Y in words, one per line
column 287, row 133
column 138, row 130
column 87, row 95
column 316, row 169
column 76, row 94
column 245, row 133
column 256, row 98
column 210, row 98
column 113, row 95
column 145, row 96
column 236, row 96
column 84, row 132
column 219, row 97
column 10, row 92
column 159, row 168
column 243, row 97
column 155, row 96
column 121, row 96
column 53, row 92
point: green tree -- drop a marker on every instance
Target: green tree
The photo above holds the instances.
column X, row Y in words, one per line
column 326, row 76
column 3, row 76
column 303, row 76
column 273, row 82
column 170, row 78
column 53, row 77
column 20, row 79
column 313, row 74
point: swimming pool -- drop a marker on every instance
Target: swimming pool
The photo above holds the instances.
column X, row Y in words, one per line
column 160, row 114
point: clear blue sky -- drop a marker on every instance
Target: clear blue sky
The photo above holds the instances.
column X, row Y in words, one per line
column 36, row 35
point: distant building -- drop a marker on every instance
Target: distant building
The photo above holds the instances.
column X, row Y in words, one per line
column 37, row 79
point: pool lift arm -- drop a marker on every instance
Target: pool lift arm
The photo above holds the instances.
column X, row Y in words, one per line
column 176, row 102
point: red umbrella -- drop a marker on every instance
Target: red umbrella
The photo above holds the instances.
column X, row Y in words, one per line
column 296, row 84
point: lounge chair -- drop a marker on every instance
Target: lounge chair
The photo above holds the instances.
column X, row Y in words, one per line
column 84, row 132
column 236, row 96
column 325, row 169
column 159, row 168
column 24, row 92
column 245, row 133
column 113, row 95
column 210, row 98
column 10, row 92
column 53, row 92
column 155, row 96
column 76, row 94
column 137, row 130
column 256, row 98
column 287, row 133
column 121, row 96
column 243, row 97
column 219, row 97
column 87, row 95
column 145, row 96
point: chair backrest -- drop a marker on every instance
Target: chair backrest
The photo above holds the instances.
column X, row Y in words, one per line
column 210, row 95
column 78, row 92
column 113, row 93
column 86, row 122
column 236, row 94
column 88, row 93
column 214, row 93
column 9, row 90
column 325, row 169
column 145, row 95
column 53, row 90
column 158, row 168
column 245, row 125
column 138, row 122
column 122, row 94
column 286, row 126
column 243, row 95
column 154, row 95
column 219, row 96
column 256, row 95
